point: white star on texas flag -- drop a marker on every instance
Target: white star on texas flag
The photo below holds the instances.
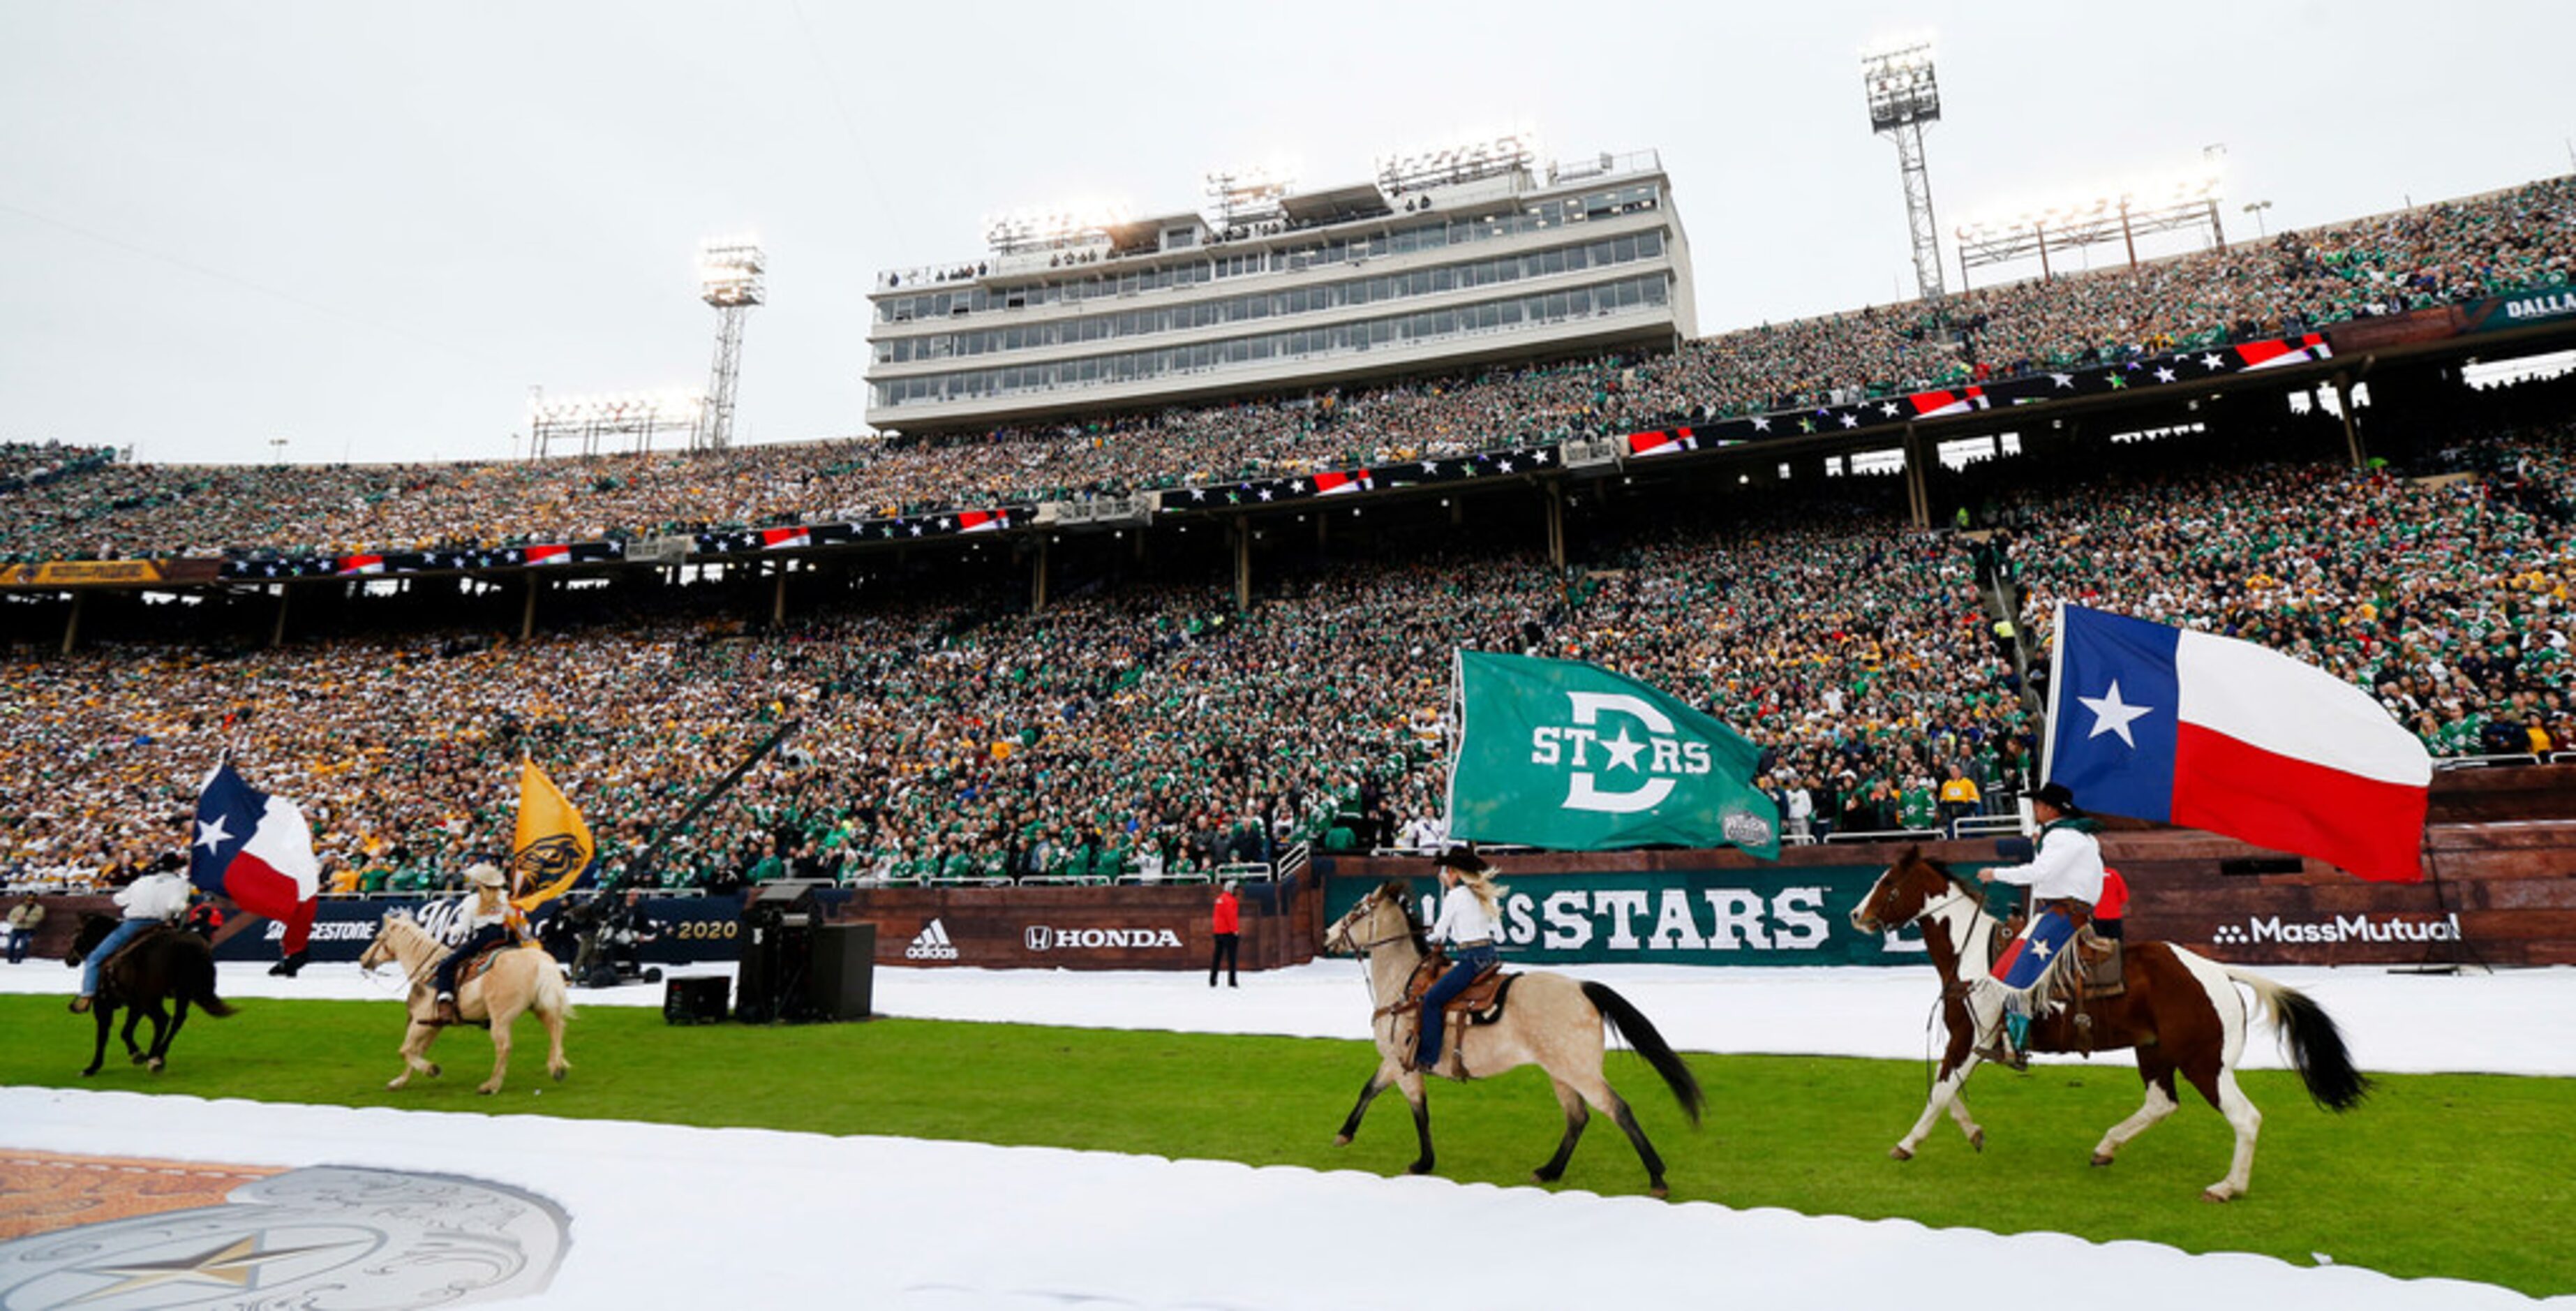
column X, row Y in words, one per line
column 213, row 836
column 2111, row 715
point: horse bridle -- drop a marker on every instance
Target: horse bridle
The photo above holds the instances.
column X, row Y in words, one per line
column 1369, row 902
column 1942, row 902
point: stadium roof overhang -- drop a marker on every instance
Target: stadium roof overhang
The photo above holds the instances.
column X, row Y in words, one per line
column 1336, row 205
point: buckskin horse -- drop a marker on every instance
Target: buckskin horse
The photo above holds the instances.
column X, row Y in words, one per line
column 2180, row 1012
column 165, row 964
column 517, row 980
column 1549, row 1020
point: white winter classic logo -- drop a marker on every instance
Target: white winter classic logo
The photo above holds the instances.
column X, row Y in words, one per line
column 1653, row 765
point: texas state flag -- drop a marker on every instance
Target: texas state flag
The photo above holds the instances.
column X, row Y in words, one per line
column 257, row 850
column 2163, row 723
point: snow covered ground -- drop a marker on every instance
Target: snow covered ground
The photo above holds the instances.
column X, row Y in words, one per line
column 670, row 1217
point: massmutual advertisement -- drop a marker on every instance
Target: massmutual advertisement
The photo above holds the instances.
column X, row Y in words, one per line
column 1678, row 917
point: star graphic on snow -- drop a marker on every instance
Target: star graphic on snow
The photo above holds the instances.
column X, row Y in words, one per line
column 2112, row 715
column 2065, row 380
column 1762, row 423
column 1623, row 750
column 213, row 836
column 2165, row 374
column 2212, row 362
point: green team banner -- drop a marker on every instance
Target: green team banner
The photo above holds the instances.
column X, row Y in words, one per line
column 1570, row 757
column 2522, row 309
column 1775, row 916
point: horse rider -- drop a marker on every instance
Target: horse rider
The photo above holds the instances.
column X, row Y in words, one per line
column 1468, row 924
column 490, row 920
column 158, row 897
column 2064, row 876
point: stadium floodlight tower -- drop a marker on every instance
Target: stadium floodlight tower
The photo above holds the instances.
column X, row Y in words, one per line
column 1903, row 96
column 729, row 278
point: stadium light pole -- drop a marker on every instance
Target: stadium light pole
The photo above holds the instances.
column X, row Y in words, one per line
column 2256, row 209
column 729, row 278
column 1904, row 95
column 277, row 448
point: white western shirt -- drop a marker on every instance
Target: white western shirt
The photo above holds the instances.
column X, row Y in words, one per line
column 2068, row 863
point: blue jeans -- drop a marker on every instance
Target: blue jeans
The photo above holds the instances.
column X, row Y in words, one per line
column 125, row 931
column 1471, row 962
column 487, row 936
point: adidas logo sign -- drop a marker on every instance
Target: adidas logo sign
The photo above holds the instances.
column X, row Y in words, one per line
column 931, row 944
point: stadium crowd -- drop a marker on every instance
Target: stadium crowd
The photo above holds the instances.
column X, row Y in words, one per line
column 947, row 734
column 2524, row 237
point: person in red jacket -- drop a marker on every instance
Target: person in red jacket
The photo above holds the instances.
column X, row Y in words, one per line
column 1227, row 923
column 2114, row 905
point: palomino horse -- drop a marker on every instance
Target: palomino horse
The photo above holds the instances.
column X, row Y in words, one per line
column 520, row 979
column 2180, row 1012
column 165, row 964
column 1551, row 1021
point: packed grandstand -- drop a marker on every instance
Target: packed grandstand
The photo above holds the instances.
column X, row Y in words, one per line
column 1144, row 720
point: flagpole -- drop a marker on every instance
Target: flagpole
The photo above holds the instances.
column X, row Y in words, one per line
column 2048, row 709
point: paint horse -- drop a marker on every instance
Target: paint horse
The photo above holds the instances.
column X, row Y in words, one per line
column 1548, row 1020
column 2180, row 1012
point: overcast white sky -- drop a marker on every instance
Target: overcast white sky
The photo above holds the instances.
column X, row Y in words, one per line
column 370, row 230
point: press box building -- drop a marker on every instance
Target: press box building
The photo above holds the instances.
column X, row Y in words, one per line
column 1442, row 262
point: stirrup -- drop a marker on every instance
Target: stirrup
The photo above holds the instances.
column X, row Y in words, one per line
column 2004, row 1054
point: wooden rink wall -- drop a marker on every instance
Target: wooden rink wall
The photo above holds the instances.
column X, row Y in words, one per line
column 2500, row 845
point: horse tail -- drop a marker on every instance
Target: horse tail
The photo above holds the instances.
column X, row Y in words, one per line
column 1631, row 1024
column 199, row 984
column 553, row 994
column 2316, row 1045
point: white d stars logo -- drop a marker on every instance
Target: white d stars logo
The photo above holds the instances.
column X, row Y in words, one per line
column 2111, row 715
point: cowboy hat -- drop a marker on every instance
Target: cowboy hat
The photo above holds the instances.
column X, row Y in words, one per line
column 2057, row 794
column 485, row 874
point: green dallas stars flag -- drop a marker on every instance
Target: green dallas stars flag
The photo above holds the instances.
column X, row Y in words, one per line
column 1563, row 755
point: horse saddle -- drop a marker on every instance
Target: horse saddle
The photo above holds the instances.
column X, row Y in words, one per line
column 2104, row 975
column 108, row 967
column 1480, row 1002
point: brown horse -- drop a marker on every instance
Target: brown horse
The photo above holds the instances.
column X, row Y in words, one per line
column 1550, row 1021
column 163, row 965
column 520, row 979
column 2180, row 1012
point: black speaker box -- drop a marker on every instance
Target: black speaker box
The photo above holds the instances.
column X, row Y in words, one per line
column 694, row 1001
column 841, row 984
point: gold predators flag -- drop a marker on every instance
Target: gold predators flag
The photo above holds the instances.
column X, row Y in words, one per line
column 553, row 846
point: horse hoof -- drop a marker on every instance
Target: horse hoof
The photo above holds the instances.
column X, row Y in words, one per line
column 1417, row 1168
column 486, row 1091
column 137, row 1058
column 1659, row 1190
column 2101, row 1158
column 559, row 1074
column 433, row 1071
column 154, row 1064
column 1341, row 1140
column 2214, row 1195
column 1977, row 1140
column 91, row 1072
column 1899, row 1153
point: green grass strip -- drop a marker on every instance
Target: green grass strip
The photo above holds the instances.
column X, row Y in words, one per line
column 2461, row 1176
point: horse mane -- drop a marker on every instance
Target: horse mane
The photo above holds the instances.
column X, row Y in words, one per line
column 1401, row 893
